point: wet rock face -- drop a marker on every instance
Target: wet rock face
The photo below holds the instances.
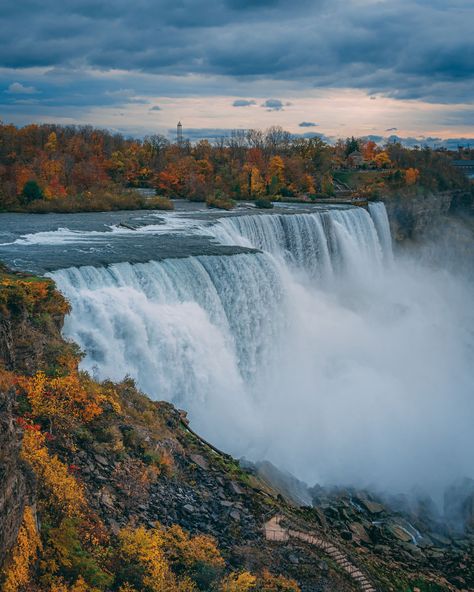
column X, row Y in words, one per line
column 459, row 505
column 16, row 482
column 403, row 532
column 411, row 217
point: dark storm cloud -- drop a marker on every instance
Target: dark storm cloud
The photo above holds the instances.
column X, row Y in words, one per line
column 411, row 49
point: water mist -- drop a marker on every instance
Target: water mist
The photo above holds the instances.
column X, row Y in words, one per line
column 323, row 353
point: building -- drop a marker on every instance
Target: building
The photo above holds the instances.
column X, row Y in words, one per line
column 179, row 133
column 356, row 159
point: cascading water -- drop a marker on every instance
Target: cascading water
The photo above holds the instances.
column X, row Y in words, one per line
column 317, row 243
column 310, row 354
column 379, row 215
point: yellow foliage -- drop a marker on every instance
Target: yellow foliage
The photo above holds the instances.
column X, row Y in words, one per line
column 24, row 554
column 159, row 550
column 65, row 490
column 239, row 582
column 270, row 583
column 81, row 586
column 33, row 296
column 145, row 547
column 52, row 143
column 382, row 159
column 58, row 585
column 127, row 588
column 188, row 551
column 276, row 169
column 66, row 397
column 257, row 186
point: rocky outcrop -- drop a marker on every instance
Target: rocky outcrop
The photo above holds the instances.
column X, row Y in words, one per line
column 31, row 318
column 16, row 481
column 411, row 216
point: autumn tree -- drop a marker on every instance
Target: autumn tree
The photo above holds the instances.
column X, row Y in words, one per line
column 276, row 174
column 382, row 160
column 411, row 176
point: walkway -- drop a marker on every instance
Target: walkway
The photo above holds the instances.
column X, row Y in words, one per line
column 274, row 531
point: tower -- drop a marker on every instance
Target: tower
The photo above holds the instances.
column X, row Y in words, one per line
column 179, row 133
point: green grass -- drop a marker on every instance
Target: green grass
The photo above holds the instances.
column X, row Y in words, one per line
column 357, row 179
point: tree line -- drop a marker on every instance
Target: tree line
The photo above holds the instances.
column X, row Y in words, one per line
column 53, row 163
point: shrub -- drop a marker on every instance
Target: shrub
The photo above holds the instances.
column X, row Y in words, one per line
column 220, row 201
column 100, row 200
column 158, row 203
column 264, row 204
column 67, row 551
column 287, row 192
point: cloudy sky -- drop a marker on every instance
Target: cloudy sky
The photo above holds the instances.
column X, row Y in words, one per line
column 333, row 67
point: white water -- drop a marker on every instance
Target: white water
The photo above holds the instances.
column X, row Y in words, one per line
column 321, row 354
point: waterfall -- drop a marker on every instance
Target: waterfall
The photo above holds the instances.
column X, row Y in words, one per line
column 164, row 321
column 313, row 353
column 317, row 243
column 379, row 216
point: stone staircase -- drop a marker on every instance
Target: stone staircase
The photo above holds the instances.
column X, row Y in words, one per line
column 274, row 531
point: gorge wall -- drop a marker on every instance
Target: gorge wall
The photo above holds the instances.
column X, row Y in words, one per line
column 16, row 481
column 411, row 216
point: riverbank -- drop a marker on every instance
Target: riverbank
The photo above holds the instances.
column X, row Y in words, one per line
column 106, row 201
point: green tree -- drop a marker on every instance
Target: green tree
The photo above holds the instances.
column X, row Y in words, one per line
column 31, row 191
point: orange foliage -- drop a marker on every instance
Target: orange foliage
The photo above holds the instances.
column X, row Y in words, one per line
column 74, row 396
column 23, row 174
column 31, row 296
column 17, row 574
column 369, row 150
column 412, row 176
